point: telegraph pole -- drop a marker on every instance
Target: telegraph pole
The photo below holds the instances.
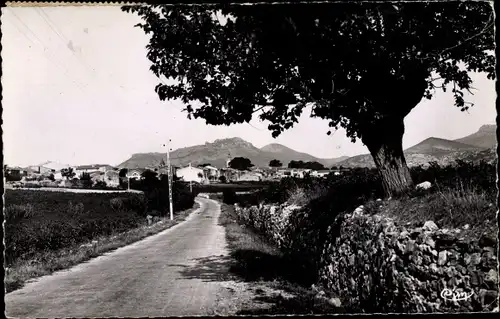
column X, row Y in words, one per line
column 169, row 172
column 190, row 182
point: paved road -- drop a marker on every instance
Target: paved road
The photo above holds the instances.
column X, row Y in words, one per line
column 158, row 276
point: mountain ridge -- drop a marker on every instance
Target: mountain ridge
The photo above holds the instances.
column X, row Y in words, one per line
column 217, row 152
column 480, row 145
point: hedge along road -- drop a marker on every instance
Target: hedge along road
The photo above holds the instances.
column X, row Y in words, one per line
column 163, row 275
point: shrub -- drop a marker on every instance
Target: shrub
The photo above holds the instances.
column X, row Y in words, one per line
column 100, row 185
column 13, row 177
column 18, row 211
column 85, row 180
column 32, row 185
column 136, row 203
column 77, row 209
column 229, row 196
column 116, row 203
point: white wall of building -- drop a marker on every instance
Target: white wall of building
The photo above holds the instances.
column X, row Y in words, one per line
column 190, row 174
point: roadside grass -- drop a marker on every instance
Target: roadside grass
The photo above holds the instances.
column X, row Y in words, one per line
column 447, row 207
column 257, row 260
column 47, row 262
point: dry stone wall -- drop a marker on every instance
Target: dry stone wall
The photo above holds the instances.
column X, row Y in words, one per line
column 375, row 265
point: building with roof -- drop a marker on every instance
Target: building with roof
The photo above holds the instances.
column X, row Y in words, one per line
column 250, row 177
column 191, row 174
column 135, row 173
column 211, row 173
column 48, row 168
column 92, row 168
column 321, row 173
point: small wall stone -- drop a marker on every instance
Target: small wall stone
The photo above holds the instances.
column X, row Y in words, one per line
column 375, row 265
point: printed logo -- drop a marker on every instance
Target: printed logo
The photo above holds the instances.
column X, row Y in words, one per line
column 455, row 294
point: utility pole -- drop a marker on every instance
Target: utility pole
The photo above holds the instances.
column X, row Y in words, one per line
column 169, row 172
column 190, row 181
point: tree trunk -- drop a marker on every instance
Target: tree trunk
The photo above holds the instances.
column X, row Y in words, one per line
column 385, row 143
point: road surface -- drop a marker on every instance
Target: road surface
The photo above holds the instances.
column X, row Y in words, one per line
column 176, row 272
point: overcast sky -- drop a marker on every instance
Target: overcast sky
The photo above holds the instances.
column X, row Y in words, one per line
column 77, row 89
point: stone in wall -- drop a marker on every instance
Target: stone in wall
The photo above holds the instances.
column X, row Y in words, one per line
column 375, row 265
column 410, row 269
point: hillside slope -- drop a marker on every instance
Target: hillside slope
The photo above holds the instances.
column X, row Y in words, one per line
column 438, row 147
column 217, row 153
column 286, row 154
column 474, row 147
column 485, row 137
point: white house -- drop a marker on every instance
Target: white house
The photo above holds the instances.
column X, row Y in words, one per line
column 190, row 174
column 251, row 176
column 58, row 176
column 211, row 173
column 321, row 173
column 48, row 167
column 91, row 168
column 135, row 173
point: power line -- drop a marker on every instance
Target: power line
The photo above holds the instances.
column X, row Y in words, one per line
column 61, row 36
column 48, row 57
column 65, row 40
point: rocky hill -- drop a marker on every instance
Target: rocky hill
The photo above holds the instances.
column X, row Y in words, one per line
column 485, row 137
column 475, row 147
column 217, row 153
column 286, row 154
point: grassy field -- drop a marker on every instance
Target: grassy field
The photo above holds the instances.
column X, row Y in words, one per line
column 49, row 231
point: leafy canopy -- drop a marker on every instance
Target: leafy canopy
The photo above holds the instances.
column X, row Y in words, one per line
column 68, row 173
column 306, row 165
column 240, row 163
column 355, row 63
column 275, row 163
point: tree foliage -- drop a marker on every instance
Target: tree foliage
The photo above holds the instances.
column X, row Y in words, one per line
column 68, row 173
column 85, row 176
column 123, row 172
column 275, row 163
column 361, row 66
column 306, row 165
column 337, row 56
column 240, row 163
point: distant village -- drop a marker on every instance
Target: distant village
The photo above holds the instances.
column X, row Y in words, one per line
column 59, row 174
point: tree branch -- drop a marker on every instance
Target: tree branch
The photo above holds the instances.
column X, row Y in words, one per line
column 260, row 108
column 489, row 24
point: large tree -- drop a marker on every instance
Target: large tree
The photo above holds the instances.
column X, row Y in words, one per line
column 241, row 163
column 275, row 163
column 68, row 173
column 361, row 66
